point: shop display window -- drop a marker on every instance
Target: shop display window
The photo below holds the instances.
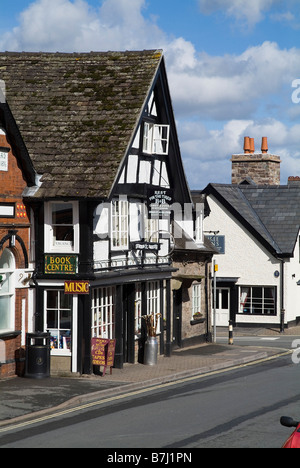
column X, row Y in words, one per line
column 59, row 321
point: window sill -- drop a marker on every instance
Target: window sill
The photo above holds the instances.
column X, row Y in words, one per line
column 61, row 352
column 10, row 334
column 195, row 322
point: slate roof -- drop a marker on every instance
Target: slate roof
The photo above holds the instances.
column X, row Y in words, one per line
column 271, row 213
column 77, row 114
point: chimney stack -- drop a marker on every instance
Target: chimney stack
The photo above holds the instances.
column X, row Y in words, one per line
column 260, row 168
column 294, row 181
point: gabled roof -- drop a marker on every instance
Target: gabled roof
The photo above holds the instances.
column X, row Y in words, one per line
column 76, row 114
column 270, row 213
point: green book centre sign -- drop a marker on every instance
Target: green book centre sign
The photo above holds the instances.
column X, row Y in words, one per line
column 61, row 264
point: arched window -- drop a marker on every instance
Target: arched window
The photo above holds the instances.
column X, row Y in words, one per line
column 7, row 291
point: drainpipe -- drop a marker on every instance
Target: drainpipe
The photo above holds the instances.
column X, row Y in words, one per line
column 207, row 302
column 282, row 310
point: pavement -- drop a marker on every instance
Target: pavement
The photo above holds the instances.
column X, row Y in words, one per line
column 23, row 398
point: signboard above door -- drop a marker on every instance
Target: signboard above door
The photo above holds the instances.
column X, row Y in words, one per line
column 61, row 264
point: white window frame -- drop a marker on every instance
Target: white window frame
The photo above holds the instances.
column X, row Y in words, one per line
column 196, row 299
column 199, row 225
column 151, row 229
column 59, row 351
column 103, row 312
column 153, row 301
column 61, row 246
column 155, row 141
column 138, row 310
column 246, row 297
column 8, row 274
column 153, row 305
column 119, row 224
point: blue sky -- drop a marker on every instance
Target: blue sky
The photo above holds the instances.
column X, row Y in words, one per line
column 231, row 65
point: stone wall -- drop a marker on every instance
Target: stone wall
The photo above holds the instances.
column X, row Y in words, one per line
column 261, row 168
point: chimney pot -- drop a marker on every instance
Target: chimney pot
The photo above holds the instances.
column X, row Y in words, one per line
column 252, row 145
column 247, row 145
column 294, row 180
column 264, row 145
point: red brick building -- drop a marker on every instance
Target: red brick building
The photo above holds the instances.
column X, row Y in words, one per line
column 15, row 273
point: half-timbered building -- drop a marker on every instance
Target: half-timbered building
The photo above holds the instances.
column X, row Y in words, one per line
column 107, row 183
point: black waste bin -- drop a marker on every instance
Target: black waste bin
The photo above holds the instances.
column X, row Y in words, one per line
column 37, row 364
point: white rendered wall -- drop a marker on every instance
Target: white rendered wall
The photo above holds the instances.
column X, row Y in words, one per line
column 245, row 258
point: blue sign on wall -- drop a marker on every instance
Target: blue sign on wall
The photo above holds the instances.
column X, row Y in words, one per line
column 218, row 242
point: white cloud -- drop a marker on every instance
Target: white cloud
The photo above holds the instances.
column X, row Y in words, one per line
column 233, row 86
column 53, row 25
column 217, row 99
column 207, row 153
column 46, row 24
column 221, row 88
column 244, row 11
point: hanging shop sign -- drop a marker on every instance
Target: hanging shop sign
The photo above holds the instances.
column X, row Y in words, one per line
column 160, row 202
column 77, row 287
column 218, row 242
column 61, row 264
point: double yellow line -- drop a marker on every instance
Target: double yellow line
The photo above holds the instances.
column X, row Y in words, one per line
column 123, row 396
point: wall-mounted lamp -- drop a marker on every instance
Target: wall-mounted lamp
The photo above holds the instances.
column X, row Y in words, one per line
column 12, row 240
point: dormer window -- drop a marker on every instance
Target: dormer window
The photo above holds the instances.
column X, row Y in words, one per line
column 156, row 139
column 61, row 227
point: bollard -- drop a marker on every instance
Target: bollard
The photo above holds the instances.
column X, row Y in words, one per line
column 230, row 340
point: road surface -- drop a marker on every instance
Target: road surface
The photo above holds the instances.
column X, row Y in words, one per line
column 232, row 409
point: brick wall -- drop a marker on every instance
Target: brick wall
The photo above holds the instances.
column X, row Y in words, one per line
column 12, row 185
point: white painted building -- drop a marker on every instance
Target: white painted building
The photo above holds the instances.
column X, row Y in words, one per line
column 257, row 228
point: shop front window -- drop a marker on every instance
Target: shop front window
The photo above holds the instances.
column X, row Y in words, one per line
column 153, row 302
column 153, row 305
column 258, row 300
column 103, row 313
column 59, row 321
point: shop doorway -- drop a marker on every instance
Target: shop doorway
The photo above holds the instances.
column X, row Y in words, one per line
column 222, row 307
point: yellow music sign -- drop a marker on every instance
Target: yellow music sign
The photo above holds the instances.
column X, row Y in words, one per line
column 77, row 287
